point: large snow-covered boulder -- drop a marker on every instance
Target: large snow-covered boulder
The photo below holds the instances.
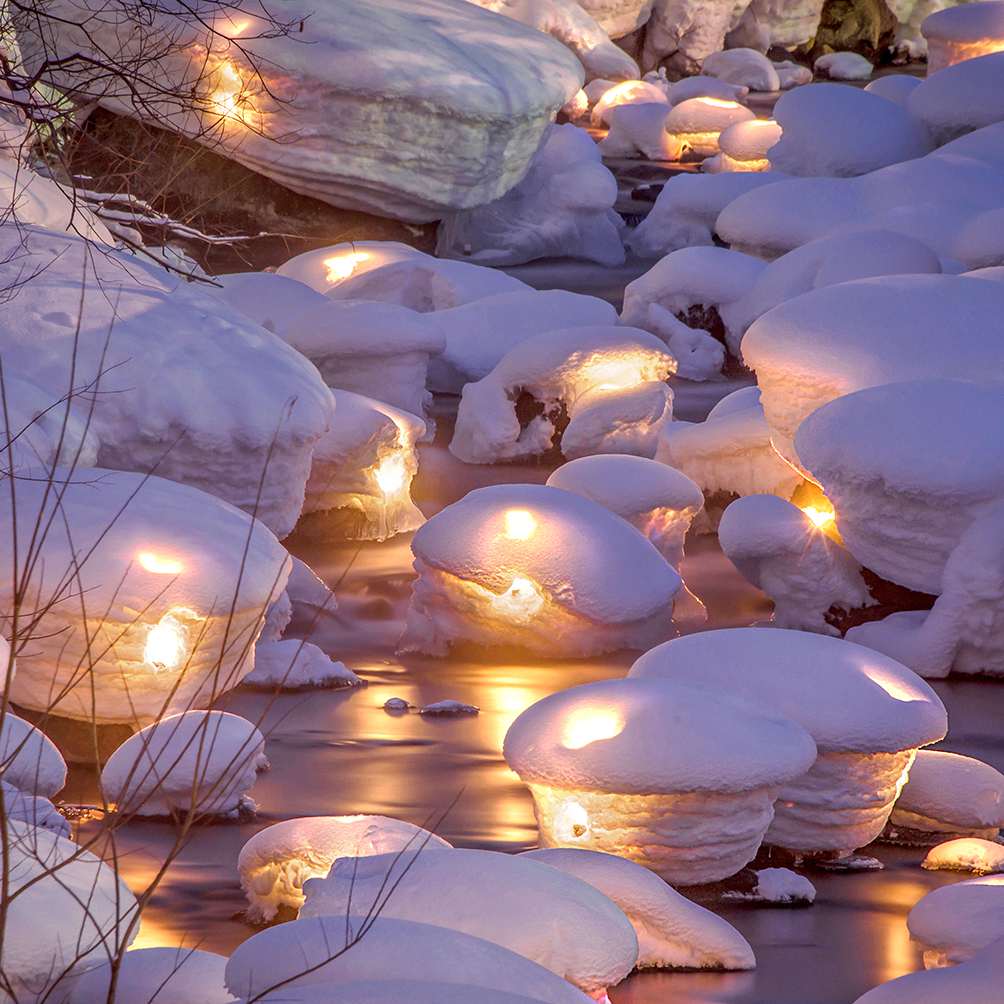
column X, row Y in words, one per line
column 618, row 17
column 954, row 922
column 539, row 567
column 788, row 23
column 172, row 379
column 866, row 713
column 267, row 298
column 744, row 68
column 557, row 370
column 406, row 108
column 275, row 862
column 679, row 34
column 679, row 777
column 671, row 930
column 961, row 32
column 960, row 99
column 397, row 991
column 145, row 596
column 29, row 759
column 544, row 914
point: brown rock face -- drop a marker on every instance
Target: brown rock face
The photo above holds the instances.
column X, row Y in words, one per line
column 867, row 27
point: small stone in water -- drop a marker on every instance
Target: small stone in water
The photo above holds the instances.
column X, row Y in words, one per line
column 396, row 704
column 449, row 708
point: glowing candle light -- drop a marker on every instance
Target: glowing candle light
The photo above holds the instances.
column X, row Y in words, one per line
column 391, row 474
column 584, row 729
column 159, row 565
column 820, row 517
column 520, row 602
column 519, row 524
column 342, row 266
column 166, row 643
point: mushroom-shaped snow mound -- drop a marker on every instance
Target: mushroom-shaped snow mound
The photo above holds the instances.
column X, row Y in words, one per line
column 540, row 567
column 275, row 863
column 29, row 759
column 198, row 762
column 834, row 341
column 954, row 922
column 909, row 467
column 961, row 98
column 964, row 32
column 866, row 713
column 949, row 793
column 546, row 915
column 744, row 147
column 679, row 777
column 67, row 911
column 327, row 952
column 177, row 381
column 146, row 596
column 671, row 930
column 157, row 976
column 698, row 122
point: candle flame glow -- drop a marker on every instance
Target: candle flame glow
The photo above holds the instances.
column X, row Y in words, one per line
column 167, row 641
column 160, row 565
column 391, row 474
column 519, row 524
column 342, row 266
column 819, row 517
column 718, row 102
column 589, row 726
column 520, row 602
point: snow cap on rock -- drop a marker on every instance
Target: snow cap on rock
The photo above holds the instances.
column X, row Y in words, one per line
column 966, row 854
column 961, row 98
column 29, row 759
column 267, row 298
column 954, row 922
column 742, row 67
column 951, row 791
column 157, row 976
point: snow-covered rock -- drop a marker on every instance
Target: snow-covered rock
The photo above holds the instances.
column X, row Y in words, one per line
column 175, row 586
column 563, row 206
column 618, row 17
column 379, row 350
column 546, row 915
column 954, row 922
column 198, row 762
column 782, row 885
column 397, row 991
column 408, row 109
column 29, row 759
column 703, row 86
column 949, row 793
column 691, row 801
column 966, row 854
column 33, row 810
column 267, row 298
column 540, row 567
column 291, row 664
column 639, row 130
column 363, row 467
column 778, row 548
column 829, row 130
column 631, row 92
column 866, row 713
column 556, row 369
column 276, row 861
column 680, row 34
column 963, row 32
column 172, row 379
column 895, row 87
column 791, row 74
column 605, row 419
column 328, row 952
column 671, row 930
column 744, row 147
column 697, row 123
column 157, row 976
column 788, row 23
column 744, row 68
column 843, row 66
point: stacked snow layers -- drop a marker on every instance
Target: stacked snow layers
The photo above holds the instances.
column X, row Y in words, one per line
column 539, row 567
column 407, row 108
column 171, row 379
column 866, row 713
column 680, row 777
column 137, row 597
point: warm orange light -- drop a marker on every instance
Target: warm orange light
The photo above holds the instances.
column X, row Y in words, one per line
column 894, row 688
column 159, row 565
column 819, row 517
column 230, row 98
column 342, row 266
column 519, row 524
column 391, row 474
column 520, row 602
column 626, row 90
column 587, row 727
column 719, row 103
column 167, row 642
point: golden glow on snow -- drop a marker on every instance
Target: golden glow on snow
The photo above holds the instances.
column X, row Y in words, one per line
column 585, row 727
column 391, row 475
column 229, row 99
column 520, row 601
column 819, row 517
column 893, row 687
column 167, row 642
column 519, row 524
column 159, row 564
column 343, row 265
column 718, row 103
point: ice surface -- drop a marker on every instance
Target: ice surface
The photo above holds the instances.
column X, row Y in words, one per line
column 743, row 67
column 197, row 762
column 961, row 33
column 276, row 861
column 966, row 854
column 556, row 368
column 954, row 922
column 29, row 759
column 544, row 914
column 562, row 207
column 671, row 930
column 290, row 664
column 176, row 585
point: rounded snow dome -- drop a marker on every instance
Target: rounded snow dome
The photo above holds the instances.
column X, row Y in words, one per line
column 954, row 922
column 699, row 121
column 750, row 139
column 963, row 32
column 29, row 759
column 157, row 976
column 960, row 98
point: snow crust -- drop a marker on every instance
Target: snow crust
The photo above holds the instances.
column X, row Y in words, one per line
column 743, row 67
column 544, row 914
column 967, row 854
column 389, row 949
column 562, row 207
column 176, row 582
column 671, row 930
column 291, row 664
column 197, row 762
column 153, row 348
column 29, row 759
column 954, row 922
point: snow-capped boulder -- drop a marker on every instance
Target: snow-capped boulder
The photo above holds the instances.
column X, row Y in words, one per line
column 267, row 298
column 843, row 66
column 742, row 67
column 327, row 952
column 896, row 87
column 34, row 810
column 562, row 207
column 866, row 713
column 618, row 17
column 963, row 32
column 788, row 23
column 379, row 350
column 966, row 854
column 292, row 664
column 539, row 567
column 363, row 467
column 697, row 123
column 691, row 801
column 778, row 548
column 276, row 861
column 181, row 383
column 671, row 930
column 544, row 914
column 175, row 586
column 198, row 762
column 744, row 147
column 631, row 92
column 29, row 759
column 833, row 131
column 403, row 109
column 703, row 86
column 555, row 369
column 395, row 991
column 961, row 98
column 157, row 976
column 954, row 922
column 639, row 130
column 949, row 793
column 791, row 74
column 681, row 34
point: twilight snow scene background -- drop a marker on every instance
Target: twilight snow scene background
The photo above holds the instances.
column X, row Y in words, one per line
column 502, row 501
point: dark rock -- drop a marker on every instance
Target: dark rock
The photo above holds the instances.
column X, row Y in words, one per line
column 867, row 27
column 79, row 742
column 889, row 598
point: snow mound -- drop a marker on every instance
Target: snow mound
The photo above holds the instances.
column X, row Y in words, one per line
column 703, row 86
column 555, row 369
column 963, row 32
column 640, row 131
column 954, row 922
column 291, row 664
column 743, row 67
column 157, row 976
column 698, row 122
column 896, row 87
column 781, row 885
column 267, row 298
column 843, row 66
column 562, row 207
column 276, row 861
column 539, row 567
column 181, row 383
column 744, row 147
column 671, row 930
column 176, row 583
column 606, row 419
column 961, row 98
column 397, row 991
column 546, row 915
column 29, row 759
column 833, row 131
column 631, row 92
column 966, row 854
column 449, row 707
column 691, row 802
column 33, row 810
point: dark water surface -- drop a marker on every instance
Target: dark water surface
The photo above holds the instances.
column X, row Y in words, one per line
column 339, row 752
